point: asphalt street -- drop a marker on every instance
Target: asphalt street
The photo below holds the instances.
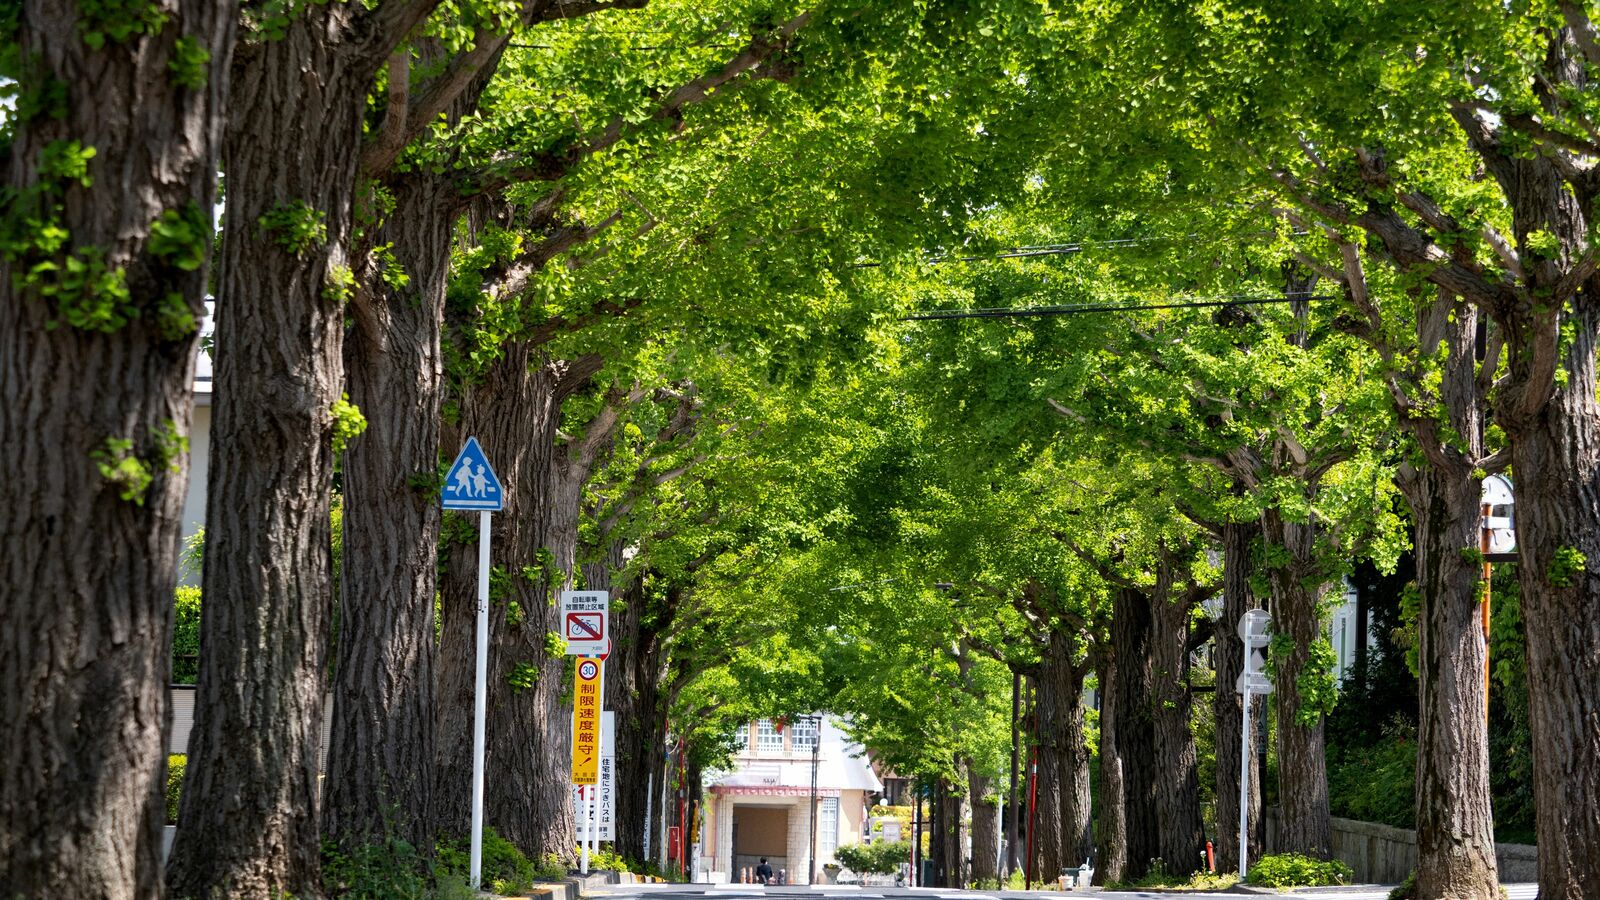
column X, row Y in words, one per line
column 852, row 892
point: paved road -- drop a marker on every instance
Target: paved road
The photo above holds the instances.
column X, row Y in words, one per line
column 850, row 892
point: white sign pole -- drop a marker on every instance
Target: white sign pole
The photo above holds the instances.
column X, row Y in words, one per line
column 480, row 701
column 583, row 833
column 1244, row 783
column 649, row 803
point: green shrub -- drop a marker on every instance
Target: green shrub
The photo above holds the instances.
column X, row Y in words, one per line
column 881, row 857
column 1405, row 890
column 605, row 861
column 1377, row 783
column 1294, row 870
column 186, row 635
column 392, row 869
column 176, row 763
column 505, row 869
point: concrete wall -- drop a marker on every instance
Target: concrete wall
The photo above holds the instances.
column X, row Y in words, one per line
column 1380, row 854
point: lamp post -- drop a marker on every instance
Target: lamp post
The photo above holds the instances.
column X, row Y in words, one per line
column 816, row 755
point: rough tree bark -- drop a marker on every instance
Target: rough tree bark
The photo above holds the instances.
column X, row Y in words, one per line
column 518, row 407
column 1228, row 704
column 1132, row 634
column 1307, row 825
column 985, row 828
column 1177, row 786
column 87, row 579
column 380, row 754
column 634, row 675
column 1063, row 837
column 248, row 819
column 1111, row 823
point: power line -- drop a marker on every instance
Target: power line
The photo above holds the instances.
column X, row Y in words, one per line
column 1080, row 308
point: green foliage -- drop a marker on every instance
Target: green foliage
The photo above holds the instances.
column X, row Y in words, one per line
column 1405, row 890
column 295, row 226
column 522, row 676
column 348, row 423
column 505, row 869
column 177, row 763
column 1565, row 563
column 186, row 635
column 181, row 237
column 117, row 20
column 188, row 65
column 605, row 861
column 1319, row 691
column 879, row 857
column 117, row 464
column 339, row 285
column 390, row 869
column 1293, row 870
column 1376, row 783
column 389, row 269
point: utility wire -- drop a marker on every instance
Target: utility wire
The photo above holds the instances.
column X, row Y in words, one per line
column 1081, row 308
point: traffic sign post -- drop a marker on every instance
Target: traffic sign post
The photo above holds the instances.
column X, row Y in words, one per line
column 1255, row 630
column 588, row 691
column 586, row 622
column 471, row 484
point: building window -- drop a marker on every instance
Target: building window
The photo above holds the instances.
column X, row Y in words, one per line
column 741, row 738
column 768, row 738
column 804, row 732
column 828, row 828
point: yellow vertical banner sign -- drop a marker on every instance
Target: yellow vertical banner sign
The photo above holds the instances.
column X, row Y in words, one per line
column 586, row 704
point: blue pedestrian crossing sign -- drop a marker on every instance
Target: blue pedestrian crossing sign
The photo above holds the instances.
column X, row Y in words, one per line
column 471, row 484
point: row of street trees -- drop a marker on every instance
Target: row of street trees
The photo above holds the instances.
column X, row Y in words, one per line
column 653, row 256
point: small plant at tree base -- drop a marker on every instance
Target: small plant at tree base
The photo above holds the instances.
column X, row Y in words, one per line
column 505, row 869
column 391, row 869
column 1294, row 870
column 1405, row 890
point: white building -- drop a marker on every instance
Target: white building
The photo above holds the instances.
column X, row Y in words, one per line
column 760, row 809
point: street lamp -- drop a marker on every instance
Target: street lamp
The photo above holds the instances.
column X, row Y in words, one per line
column 816, row 751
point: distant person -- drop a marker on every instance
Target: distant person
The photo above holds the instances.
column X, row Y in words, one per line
column 764, row 872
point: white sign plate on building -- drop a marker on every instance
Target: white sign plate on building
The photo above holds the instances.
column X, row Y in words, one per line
column 585, row 622
column 608, row 778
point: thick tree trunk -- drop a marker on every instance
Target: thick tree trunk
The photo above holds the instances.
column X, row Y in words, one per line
column 1063, row 837
column 634, row 674
column 518, row 408
column 1556, row 458
column 87, row 579
column 1228, row 703
column 1132, row 635
column 947, row 849
column 1307, row 825
column 985, row 827
column 1177, row 787
column 248, row 822
column 1455, row 824
column 1111, row 823
column 381, row 753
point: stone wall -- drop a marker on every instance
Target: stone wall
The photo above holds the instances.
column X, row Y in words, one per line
column 1380, row 854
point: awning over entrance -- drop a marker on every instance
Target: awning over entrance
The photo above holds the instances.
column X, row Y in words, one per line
column 753, row 790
